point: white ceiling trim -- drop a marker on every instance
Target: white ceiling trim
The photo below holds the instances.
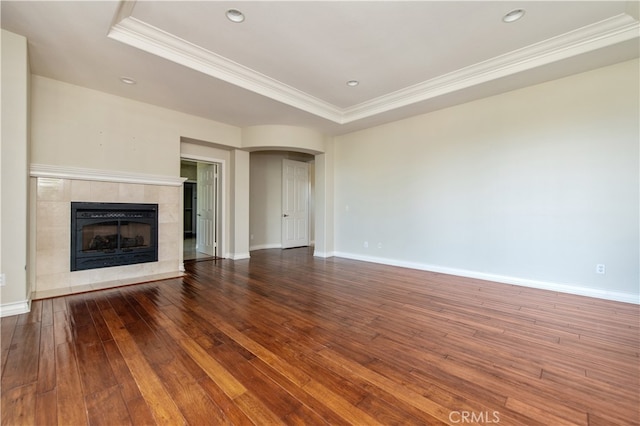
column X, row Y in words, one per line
column 141, row 35
column 602, row 34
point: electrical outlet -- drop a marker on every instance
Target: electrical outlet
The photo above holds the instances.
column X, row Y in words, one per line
column 600, row 268
column 366, row 244
column 2, row 282
column 379, row 245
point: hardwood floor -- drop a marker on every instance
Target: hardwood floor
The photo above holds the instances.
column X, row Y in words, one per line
column 285, row 338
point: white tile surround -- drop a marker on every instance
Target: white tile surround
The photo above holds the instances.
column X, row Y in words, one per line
column 53, row 276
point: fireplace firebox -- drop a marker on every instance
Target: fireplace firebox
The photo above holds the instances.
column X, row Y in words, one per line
column 113, row 234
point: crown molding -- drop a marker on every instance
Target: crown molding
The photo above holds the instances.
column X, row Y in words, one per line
column 136, row 33
column 143, row 36
column 63, row 172
column 605, row 33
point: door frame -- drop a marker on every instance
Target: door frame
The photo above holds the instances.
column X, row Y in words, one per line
column 222, row 198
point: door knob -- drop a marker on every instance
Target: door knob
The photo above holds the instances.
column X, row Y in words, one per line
column 285, row 215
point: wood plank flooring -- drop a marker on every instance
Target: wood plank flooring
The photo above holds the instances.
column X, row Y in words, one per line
column 285, row 338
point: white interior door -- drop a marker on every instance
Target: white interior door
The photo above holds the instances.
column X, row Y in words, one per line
column 206, row 236
column 295, row 204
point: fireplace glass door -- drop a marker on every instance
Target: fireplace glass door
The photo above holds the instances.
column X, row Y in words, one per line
column 107, row 237
column 112, row 234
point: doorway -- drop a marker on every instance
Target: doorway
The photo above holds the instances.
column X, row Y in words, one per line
column 275, row 191
column 201, row 213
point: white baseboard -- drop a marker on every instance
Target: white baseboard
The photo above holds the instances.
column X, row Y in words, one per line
column 15, row 308
column 239, row 256
column 524, row 282
column 323, row 254
column 265, row 246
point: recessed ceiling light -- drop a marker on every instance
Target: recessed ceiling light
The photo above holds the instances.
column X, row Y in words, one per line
column 352, row 83
column 513, row 16
column 127, row 80
column 234, row 15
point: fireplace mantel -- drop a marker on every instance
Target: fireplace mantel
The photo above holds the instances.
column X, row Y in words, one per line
column 78, row 173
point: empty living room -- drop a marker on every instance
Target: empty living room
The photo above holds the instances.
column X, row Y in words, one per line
column 328, row 212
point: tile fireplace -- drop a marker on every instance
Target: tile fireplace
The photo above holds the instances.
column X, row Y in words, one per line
column 52, row 198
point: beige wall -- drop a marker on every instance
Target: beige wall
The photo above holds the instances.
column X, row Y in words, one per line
column 536, row 186
column 324, row 217
column 78, row 127
column 239, row 209
column 14, row 179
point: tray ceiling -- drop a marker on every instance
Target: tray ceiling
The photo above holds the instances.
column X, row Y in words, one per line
column 289, row 62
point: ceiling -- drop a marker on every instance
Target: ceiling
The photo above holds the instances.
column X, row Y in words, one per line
column 289, row 62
